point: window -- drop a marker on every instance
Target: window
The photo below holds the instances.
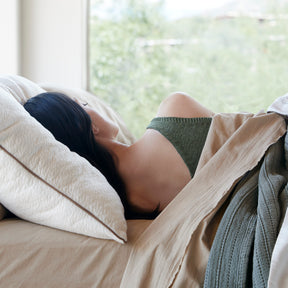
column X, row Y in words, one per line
column 230, row 55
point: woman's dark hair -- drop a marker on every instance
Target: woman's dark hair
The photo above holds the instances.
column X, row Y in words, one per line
column 71, row 125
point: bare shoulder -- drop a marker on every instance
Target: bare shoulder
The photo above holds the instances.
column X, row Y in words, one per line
column 180, row 104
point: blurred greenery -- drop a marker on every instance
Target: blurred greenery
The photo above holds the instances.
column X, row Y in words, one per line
column 138, row 57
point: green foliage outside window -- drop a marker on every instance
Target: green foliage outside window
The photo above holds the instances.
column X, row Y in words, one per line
column 138, row 57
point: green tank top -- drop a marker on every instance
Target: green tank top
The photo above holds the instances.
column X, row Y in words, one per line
column 187, row 135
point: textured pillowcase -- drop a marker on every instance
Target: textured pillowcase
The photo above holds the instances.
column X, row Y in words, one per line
column 42, row 181
column 280, row 106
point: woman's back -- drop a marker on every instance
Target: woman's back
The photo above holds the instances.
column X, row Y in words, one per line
column 156, row 172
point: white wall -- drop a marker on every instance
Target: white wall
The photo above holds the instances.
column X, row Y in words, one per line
column 53, row 38
column 9, row 45
column 45, row 40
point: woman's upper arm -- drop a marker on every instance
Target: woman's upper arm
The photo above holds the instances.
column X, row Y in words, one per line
column 182, row 105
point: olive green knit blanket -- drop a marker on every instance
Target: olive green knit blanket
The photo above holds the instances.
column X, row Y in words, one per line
column 241, row 252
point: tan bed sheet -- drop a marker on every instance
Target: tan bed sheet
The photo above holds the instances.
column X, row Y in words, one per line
column 35, row 256
column 171, row 251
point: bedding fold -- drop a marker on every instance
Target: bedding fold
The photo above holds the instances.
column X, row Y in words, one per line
column 242, row 249
column 174, row 250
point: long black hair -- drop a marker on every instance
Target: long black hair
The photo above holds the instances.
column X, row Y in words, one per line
column 71, row 125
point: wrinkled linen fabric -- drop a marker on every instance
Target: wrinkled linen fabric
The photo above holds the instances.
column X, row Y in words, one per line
column 174, row 250
column 36, row 256
column 242, row 249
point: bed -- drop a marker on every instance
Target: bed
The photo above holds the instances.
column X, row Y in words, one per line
column 62, row 225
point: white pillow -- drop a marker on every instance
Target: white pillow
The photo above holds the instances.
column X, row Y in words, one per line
column 280, row 106
column 278, row 276
column 42, row 181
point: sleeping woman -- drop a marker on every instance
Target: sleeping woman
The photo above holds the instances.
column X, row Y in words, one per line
column 148, row 174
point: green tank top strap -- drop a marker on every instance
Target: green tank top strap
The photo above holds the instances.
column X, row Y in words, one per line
column 187, row 135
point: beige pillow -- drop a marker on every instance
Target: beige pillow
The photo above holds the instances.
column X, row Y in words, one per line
column 42, row 181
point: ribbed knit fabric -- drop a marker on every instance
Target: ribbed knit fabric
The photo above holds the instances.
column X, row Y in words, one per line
column 242, row 249
column 187, row 135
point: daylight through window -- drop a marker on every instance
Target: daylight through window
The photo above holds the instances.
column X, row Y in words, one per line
column 230, row 55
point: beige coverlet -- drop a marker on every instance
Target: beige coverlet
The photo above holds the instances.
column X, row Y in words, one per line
column 35, row 256
column 173, row 251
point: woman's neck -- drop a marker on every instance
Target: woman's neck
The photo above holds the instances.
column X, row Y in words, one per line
column 153, row 172
column 136, row 170
column 150, row 172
